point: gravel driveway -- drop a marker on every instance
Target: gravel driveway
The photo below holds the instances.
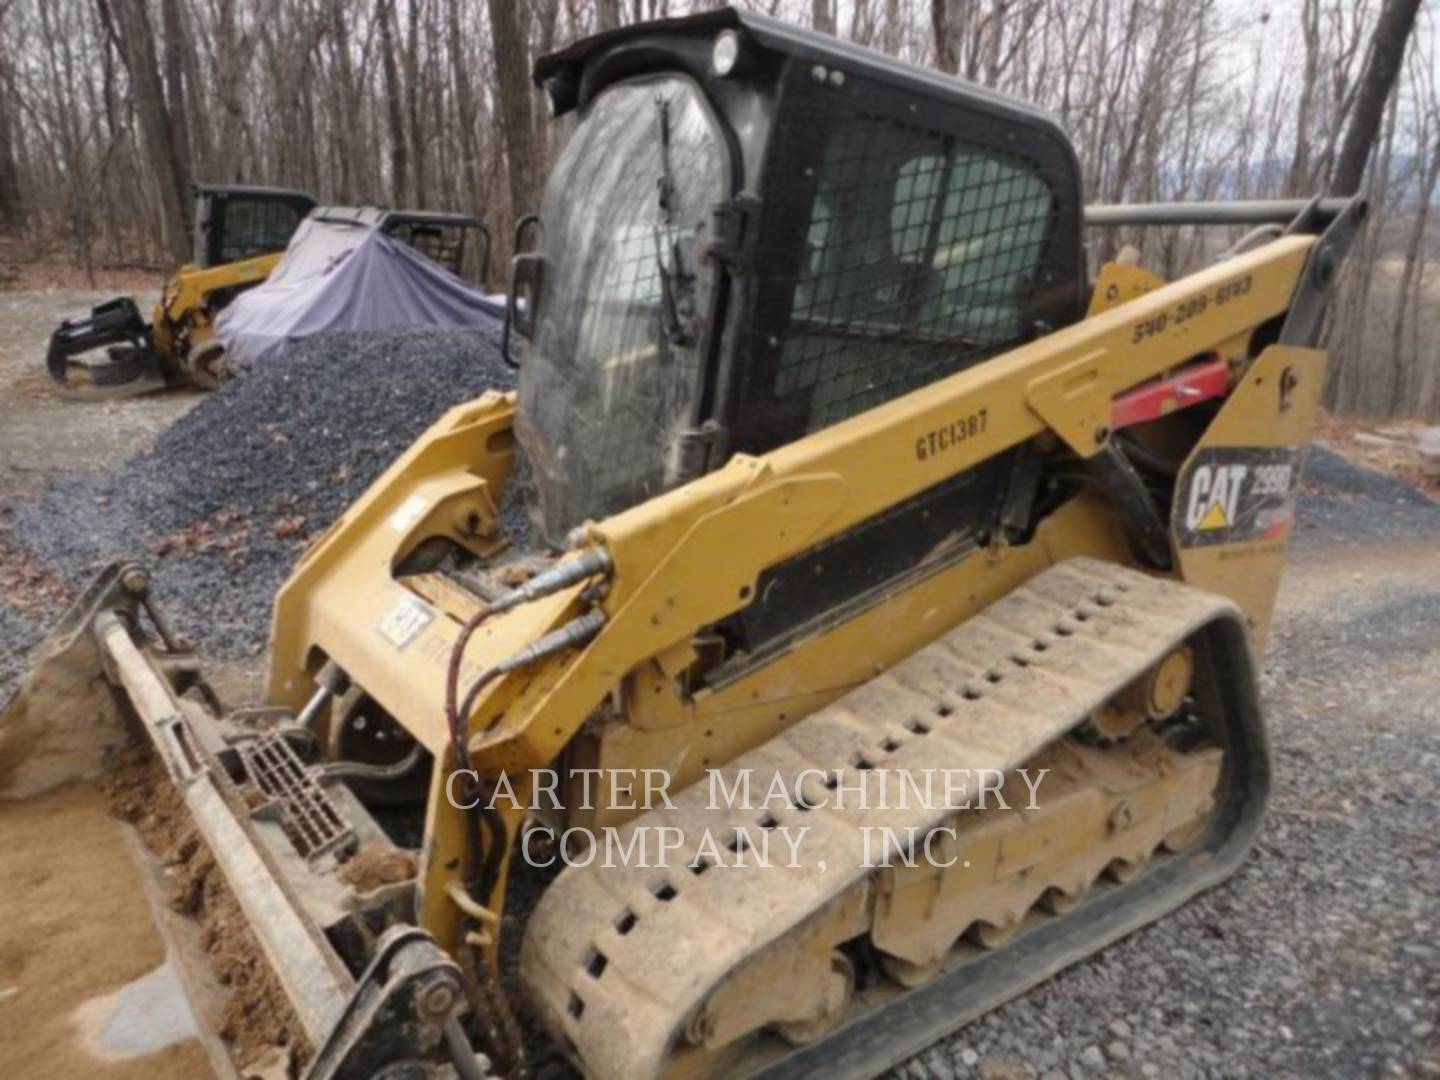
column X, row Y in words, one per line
column 42, row 433
column 1320, row 958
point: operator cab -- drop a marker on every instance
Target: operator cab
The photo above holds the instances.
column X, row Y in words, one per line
column 235, row 222
column 755, row 232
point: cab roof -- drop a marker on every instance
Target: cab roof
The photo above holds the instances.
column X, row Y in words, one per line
column 560, row 72
column 374, row 217
column 255, row 191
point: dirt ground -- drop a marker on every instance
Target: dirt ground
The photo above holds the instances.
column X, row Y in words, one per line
column 76, row 932
column 1388, row 446
column 43, row 432
column 75, row 924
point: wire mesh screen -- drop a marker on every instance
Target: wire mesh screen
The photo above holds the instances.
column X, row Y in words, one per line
column 255, row 228
column 921, row 259
column 454, row 246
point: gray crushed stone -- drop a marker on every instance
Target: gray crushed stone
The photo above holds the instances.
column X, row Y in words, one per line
column 256, row 468
column 1340, row 500
column 17, row 635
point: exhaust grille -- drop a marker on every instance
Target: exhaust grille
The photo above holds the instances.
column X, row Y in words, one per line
column 310, row 819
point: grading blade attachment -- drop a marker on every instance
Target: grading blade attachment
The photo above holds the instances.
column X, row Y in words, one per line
column 368, row 999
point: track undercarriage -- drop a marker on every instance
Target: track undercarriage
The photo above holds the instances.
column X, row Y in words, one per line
column 739, row 963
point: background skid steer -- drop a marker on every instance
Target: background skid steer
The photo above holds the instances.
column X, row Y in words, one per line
column 853, row 472
column 240, row 234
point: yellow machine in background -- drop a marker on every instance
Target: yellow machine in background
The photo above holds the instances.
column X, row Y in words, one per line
column 239, row 235
column 840, row 472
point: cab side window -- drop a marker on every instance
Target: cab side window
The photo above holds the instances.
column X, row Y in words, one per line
column 922, row 257
column 256, row 227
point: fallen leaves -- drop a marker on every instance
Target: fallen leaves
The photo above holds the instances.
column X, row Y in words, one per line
column 224, row 532
column 27, row 584
column 286, row 527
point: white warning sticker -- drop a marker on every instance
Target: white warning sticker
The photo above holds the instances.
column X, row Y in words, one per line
column 405, row 622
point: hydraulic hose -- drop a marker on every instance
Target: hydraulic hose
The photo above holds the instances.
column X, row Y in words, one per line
column 360, row 770
column 587, row 564
column 573, row 634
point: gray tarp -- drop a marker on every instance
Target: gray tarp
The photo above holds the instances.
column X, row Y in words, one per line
column 339, row 276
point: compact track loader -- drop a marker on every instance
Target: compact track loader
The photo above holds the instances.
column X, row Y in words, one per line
column 884, row 638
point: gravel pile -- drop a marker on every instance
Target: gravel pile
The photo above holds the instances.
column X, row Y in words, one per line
column 224, row 501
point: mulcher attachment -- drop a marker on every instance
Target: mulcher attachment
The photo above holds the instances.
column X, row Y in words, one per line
column 132, row 364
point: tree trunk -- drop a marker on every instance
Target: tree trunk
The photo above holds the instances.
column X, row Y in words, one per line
column 175, row 103
column 137, row 41
column 547, row 18
column 607, row 14
column 10, row 210
column 1413, row 266
column 419, row 192
column 465, row 113
column 399, row 159
column 1300, row 182
column 822, row 15
column 946, row 57
column 337, row 19
column 513, row 93
column 1387, row 51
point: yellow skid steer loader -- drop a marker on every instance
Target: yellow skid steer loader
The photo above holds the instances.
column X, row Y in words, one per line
column 239, row 235
column 887, row 637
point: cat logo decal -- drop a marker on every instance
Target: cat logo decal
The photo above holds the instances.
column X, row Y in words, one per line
column 1235, row 494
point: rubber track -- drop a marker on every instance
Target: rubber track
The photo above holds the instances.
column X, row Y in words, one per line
column 988, row 695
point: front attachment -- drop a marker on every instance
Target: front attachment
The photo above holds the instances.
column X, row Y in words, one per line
column 64, row 720
column 280, row 827
column 125, row 361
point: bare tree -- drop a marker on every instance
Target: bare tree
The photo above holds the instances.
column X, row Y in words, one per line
column 10, row 206
column 108, row 106
column 607, row 15
column 399, row 158
column 176, row 111
column 822, row 15
column 130, row 22
column 1387, row 53
column 513, row 92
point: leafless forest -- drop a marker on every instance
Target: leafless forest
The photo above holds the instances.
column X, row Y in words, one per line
column 110, row 108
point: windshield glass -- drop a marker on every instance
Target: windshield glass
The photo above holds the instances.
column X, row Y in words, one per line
column 610, row 378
